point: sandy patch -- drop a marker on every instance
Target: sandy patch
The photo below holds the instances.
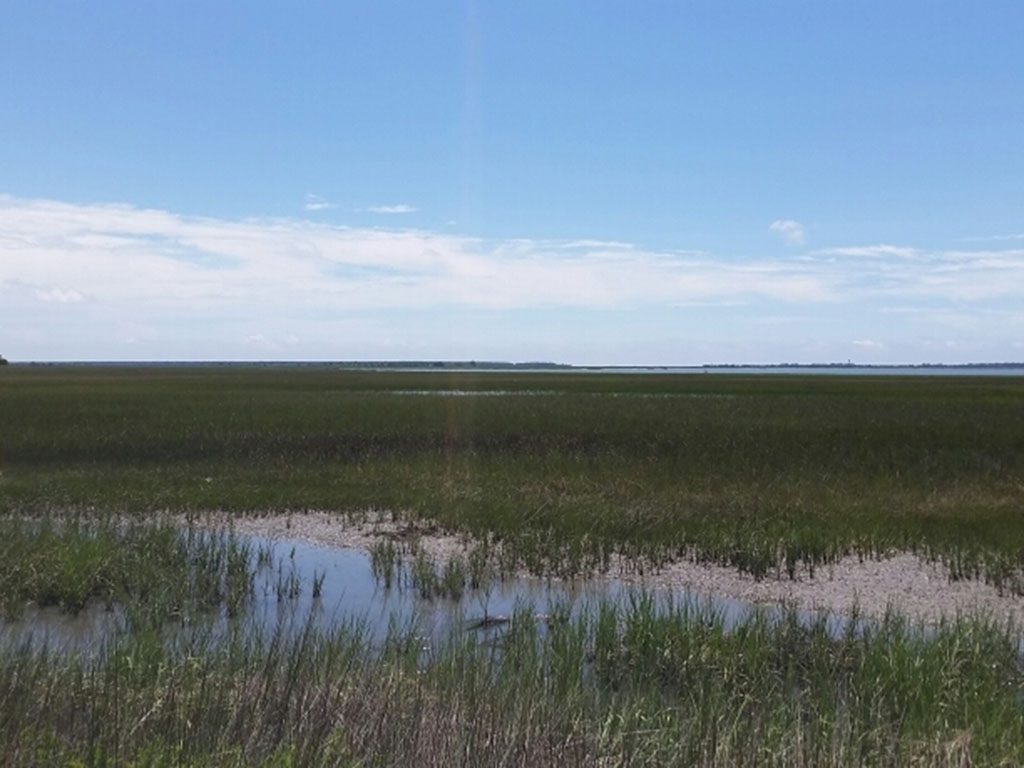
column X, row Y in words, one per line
column 349, row 532
column 902, row 581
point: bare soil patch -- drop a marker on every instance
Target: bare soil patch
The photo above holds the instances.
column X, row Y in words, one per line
column 901, row 581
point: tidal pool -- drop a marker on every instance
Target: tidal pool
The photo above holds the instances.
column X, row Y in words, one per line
column 299, row 583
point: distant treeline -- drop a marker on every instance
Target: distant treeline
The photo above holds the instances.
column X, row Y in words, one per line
column 452, row 364
column 348, row 364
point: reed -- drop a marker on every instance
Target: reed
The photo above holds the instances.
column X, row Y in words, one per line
column 634, row 683
column 384, row 560
column 69, row 562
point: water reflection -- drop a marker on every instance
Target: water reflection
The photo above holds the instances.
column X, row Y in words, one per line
column 347, row 591
column 301, row 585
column 55, row 629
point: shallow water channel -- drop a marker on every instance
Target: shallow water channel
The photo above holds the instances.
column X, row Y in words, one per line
column 350, row 592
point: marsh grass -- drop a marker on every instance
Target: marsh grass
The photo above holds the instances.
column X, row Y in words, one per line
column 777, row 476
column 780, row 474
column 634, row 683
column 68, row 562
column 423, row 575
column 454, row 577
column 287, row 585
column 449, row 579
column 384, row 561
column 645, row 680
column 318, row 583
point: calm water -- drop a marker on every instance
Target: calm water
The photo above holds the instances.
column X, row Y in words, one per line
column 351, row 593
column 832, row 370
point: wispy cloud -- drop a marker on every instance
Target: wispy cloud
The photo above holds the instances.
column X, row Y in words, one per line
column 992, row 238
column 59, row 296
column 791, row 231
column 317, row 203
column 117, row 253
column 597, row 244
column 869, row 344
column 147, row 272
column 400, row 208
column 872, row 251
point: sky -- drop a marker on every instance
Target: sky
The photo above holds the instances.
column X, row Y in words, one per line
column 661, row 183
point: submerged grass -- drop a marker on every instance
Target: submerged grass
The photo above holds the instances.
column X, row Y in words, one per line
column 612, row 684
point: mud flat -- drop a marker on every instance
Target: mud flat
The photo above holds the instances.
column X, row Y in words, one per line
column 901, row 581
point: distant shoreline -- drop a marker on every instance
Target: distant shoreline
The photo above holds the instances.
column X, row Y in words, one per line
column 499, row 366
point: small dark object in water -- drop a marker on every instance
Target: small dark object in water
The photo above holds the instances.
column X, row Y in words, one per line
column 486, row 622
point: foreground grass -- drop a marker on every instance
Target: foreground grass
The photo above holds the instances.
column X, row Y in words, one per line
column 764, row 473
column 640, row 682
column 612, row 685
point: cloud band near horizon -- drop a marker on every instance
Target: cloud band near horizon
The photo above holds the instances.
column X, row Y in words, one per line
column 124, row 261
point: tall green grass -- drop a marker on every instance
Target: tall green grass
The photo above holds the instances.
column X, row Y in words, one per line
column 769, row 474
column 69, row 562
column 609, row 684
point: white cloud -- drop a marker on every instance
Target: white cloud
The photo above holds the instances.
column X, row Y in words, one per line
column 150, row 275
column 868, row 344
column 59, row 296
column 149, row 259
column 873, row 251
column 603, row 245
column 317, row 203
column 791, row 231
column 400, row 208
column 119, row 253
column 1016, row 236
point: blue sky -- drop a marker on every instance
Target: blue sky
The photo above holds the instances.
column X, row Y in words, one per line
column 585, row 182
